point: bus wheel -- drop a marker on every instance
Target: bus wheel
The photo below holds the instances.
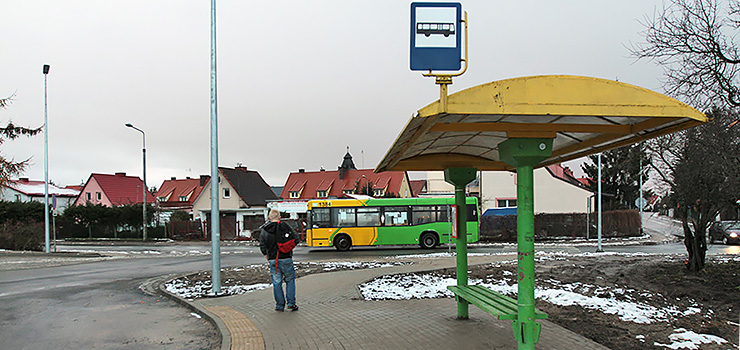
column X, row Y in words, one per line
column 342, row 243
column 428, row 240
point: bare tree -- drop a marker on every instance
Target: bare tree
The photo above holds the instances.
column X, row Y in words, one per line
column 700, row 165
column 9, row 167
column 693, row 40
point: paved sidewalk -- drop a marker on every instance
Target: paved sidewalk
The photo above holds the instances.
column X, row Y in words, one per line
column 333, row 315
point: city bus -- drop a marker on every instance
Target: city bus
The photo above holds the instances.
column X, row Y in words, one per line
column 343, row 223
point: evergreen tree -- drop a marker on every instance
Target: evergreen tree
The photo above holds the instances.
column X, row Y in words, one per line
column 620, row 175
column 9, row 167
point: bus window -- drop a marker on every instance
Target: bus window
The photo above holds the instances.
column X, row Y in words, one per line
column 344, row 217
column 443, row 213
column 472, row 212
column 395, row 216
column 422, row 214
column 320, row 218
column 368, row 217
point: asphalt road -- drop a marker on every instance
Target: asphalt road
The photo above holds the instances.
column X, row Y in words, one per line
column 98, row 305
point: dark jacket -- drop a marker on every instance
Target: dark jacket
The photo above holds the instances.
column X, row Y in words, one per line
column 268, row 239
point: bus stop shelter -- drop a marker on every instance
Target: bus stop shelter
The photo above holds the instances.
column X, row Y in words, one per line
column 521, row 124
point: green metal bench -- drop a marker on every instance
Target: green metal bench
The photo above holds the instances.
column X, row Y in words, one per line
column 496, row 304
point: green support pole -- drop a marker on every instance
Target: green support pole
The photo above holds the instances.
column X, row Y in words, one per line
column 524, row 154
column 460, row 177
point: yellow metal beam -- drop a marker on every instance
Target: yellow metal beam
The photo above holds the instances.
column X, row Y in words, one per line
column 533, row 127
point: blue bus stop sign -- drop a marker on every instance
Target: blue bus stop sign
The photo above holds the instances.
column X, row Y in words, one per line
column 436, row 35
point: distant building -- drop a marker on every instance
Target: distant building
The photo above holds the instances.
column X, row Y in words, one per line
column 113, row 190
column 346, row 179
column 180, row 194
column 243, row 197
column 25, row 190
column 556, row 190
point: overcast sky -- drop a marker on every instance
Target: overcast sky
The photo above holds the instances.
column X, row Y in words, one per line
column 298, row 81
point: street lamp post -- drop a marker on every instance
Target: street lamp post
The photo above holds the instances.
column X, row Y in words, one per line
column 46, row 167
column 143, row 155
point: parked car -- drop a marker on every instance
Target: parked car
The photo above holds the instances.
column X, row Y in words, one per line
column 726, row 231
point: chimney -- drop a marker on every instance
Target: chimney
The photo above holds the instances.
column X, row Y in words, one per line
column 240, row 167
column 120, row 174
column 301, row 170
column 173, row 178
column 204, row 179
column 187, row 177
column 23, row 179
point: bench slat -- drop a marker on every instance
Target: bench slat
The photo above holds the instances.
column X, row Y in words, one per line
column 493, row 303
column 499, row 305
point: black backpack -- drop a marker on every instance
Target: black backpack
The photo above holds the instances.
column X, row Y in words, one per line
column 285, row 240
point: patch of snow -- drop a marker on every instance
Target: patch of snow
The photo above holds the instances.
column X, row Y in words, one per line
column 200, row 289
column 195, row 315
column 422, row 286
column 684, row 339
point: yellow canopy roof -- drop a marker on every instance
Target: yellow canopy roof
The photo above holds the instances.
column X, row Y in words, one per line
column 583, row 115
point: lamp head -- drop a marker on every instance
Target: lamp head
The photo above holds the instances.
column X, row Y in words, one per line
column 46, row 69
column 129, row 125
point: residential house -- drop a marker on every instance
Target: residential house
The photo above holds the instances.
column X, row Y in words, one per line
column 25, row 190
column 243, row 196
column 179, row 194
column 302, row 186
column 113, row 190
column 556, row 190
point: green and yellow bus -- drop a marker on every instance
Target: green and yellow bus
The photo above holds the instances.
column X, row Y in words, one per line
column 343, row 223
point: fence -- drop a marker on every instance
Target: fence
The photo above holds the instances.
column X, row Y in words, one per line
column 617, row 223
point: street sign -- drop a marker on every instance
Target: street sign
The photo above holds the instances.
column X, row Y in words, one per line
column 641, row 202
column 435, row 36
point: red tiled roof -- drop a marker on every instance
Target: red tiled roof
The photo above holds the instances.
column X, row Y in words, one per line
column 325, row 185
column 311, row 182
column 565, row 174
column 417, row 186
column 172, row 190
column 121, row 189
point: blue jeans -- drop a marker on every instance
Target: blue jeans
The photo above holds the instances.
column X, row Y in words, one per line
column 285, row 272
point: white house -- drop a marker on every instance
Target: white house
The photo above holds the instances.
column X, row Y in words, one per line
column 24, row 190
column 556, row 190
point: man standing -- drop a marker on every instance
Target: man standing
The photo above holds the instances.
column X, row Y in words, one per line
column 281, row 263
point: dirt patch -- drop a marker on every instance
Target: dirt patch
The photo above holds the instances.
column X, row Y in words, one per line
column 242, row 279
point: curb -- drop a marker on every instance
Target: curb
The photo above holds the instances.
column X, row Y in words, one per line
column 213, row 319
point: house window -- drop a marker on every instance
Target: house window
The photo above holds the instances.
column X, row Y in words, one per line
column 17, row 198
column 88, row 196
column 348, row 191
column 162, row 199
column 98, row 196
column 227, row 193
column 506, row 203
column 183, row 198
column 294, row 194
column 321, row 194
column 378, row 192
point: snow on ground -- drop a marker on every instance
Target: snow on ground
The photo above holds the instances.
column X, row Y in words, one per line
column 187, row 289
column 616, row 301
column 199, row 289
column 684, row 339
